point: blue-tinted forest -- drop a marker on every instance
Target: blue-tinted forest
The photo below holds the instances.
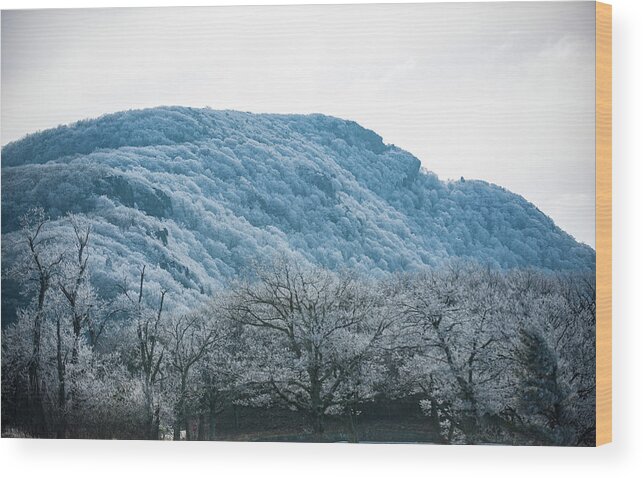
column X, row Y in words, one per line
column 179, row 273
column 200, row 194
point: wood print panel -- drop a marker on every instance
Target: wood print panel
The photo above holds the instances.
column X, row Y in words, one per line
column 603, row 223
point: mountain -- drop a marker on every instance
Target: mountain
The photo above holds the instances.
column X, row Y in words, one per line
column 198, row 195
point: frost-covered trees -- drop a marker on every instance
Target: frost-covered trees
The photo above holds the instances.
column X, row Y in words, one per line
column 219, row 378
column 455, row 319
column 203, row 193
column 190, row 338
column 148, row 349
column 553, row 353
column 319, row 332
column 476, row 354
column 37, row 268
column 542, row 395
column 500, row 356
column 53, row 272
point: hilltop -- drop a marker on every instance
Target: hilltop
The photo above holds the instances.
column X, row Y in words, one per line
column 199, row 194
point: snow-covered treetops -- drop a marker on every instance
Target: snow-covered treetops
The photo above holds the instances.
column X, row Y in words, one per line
column 198, row 195
column 197, row 274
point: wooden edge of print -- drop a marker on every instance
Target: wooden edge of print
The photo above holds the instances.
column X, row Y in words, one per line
column 603, row 223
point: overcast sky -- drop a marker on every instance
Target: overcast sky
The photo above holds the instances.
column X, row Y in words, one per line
column 500, row 91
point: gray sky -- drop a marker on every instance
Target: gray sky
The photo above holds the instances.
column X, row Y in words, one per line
column 496, row 91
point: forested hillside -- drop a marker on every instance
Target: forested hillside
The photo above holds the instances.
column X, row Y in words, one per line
column 201, row 275
column 199, row 195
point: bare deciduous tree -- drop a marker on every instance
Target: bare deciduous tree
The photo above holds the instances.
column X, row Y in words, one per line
column 319, row 326
column 189, row 338
column 39, row 265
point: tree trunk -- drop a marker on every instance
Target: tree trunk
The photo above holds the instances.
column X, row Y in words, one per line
column 470, row 422
column 62, row 426
column 39, row 427
column 77, row 329
column 451, row 431
column 202, row 435
column 316, row 402
column 189, row 435
column 211, row 400
column 156, row 425
column 318, row 423
column 434, row 418
column 352, row 421
column 149, row 414
column 212, row 426
column 180, row 418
